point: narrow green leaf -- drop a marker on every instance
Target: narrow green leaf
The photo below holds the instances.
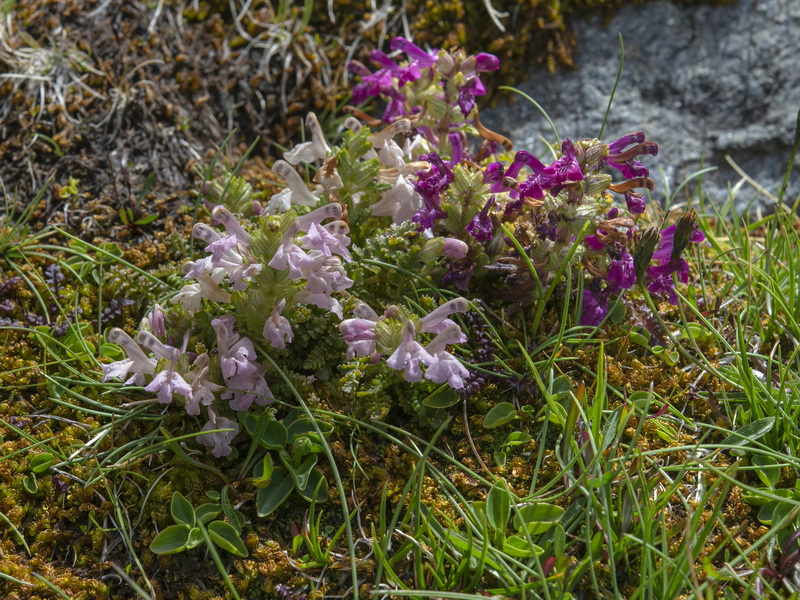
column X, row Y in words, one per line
column 230, row 513
column 750, row 432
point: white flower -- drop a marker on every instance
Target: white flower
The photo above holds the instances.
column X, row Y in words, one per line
column 317, row 148
column 295, row 193
column 391, row 155
column 401, row 202
column 137, row 362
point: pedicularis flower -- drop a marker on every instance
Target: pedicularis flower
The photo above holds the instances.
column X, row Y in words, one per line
column 471, row 213
column 396, row 333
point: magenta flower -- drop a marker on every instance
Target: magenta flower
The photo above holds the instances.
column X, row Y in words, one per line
column 430, row 185
column 595, row 307
column 424, row 59
column 625, row 160
column 621, row 272
column 481, row 227
column 674, row 240
column 635, row 202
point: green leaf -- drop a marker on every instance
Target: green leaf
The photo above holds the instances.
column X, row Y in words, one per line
column 145, row 220
column 537, row 517
column 444, row 397
column 112, row 351
column 39, row 463
column 182, row 511
column 500, row 457
column 272, row 496
column 500, row 414
column 315, row 478
column 230, row 513
column 171, row 540
column 30, row 484
column 498, row 506
column 750, row 432
column 275, row 437
column 207, row 512
column 518, row 438
column 195, row 538
column 768, row 470
column 225, row 536
column 299, row 427
column 262, row 471
column 300, row 473
column 519, row 547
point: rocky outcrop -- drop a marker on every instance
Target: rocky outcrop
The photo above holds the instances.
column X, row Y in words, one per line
column 701, row 81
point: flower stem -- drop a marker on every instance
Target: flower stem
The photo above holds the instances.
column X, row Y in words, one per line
column 218, row 561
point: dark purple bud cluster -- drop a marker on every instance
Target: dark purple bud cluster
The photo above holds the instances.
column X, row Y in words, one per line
column 114, row 309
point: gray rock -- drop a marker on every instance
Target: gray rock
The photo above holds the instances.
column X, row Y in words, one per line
column 701, row 81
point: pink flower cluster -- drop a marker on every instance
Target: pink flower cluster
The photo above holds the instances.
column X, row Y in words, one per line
column 361, row 336
column 315, row 257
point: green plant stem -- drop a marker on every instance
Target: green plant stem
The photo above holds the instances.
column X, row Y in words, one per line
column 212, row 550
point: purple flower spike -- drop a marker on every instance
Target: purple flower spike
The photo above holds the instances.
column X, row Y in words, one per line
column 666, row 250
column 457, row 146
column 526, row 159
column 430, row 185
column 467, row 93
column 481, row 227
column 425, row 59
column 621, row 272
column 595, row 307
column 594, row 243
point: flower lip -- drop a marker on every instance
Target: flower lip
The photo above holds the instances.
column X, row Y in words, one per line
column 424, row 59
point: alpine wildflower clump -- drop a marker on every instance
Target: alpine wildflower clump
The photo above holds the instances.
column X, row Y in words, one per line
column 429, row 189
